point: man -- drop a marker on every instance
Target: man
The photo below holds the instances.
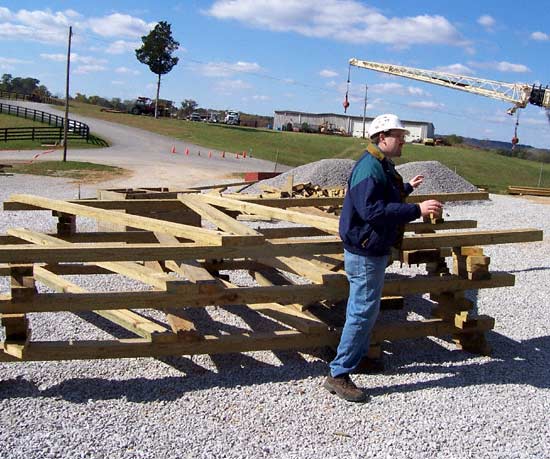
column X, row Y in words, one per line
column 372, row 221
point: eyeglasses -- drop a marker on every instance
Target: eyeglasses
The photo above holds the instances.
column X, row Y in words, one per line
column 396, row 135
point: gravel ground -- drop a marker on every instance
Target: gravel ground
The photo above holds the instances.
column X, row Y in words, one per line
column 431, row 402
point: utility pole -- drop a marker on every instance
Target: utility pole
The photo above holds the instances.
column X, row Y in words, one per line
column 365, row 111
column 66, row 121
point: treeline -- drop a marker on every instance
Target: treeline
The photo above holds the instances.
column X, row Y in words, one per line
column 531, row 154
column 24, row 86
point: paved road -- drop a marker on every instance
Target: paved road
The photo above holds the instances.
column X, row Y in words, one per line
column 149, row 156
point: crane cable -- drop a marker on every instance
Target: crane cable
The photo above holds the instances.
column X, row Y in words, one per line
column 515, row 139
column 346, row 101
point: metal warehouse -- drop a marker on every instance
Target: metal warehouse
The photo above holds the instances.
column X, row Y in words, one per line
column 419, row 130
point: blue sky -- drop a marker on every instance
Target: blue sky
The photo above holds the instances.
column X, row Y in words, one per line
column 259, row 56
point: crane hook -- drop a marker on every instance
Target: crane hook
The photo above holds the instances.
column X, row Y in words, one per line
column 515, row 139
column 346, row 101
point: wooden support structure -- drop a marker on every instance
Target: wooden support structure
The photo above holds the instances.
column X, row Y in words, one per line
column 296, row 273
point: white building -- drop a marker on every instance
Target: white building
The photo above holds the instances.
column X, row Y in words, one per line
column 419, row 130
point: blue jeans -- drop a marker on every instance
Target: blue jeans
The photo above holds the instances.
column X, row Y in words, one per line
column 366, row 279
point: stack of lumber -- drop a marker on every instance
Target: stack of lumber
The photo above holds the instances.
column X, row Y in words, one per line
column 159, row 239
column 529, row 190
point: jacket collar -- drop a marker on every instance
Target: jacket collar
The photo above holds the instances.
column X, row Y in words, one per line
column 375, row 151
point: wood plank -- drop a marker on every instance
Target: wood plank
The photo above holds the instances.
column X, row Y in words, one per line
column 130, row 348
column 466, row 238
column 129, row 269
column 127, row 319
column 324, row 223
column 23, row 253
column 195, row 295
column 223, row 221
column 449, row 197
column 146, row 223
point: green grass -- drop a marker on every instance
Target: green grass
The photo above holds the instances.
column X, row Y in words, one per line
column 15, row 121
column 72, row 169
column 480, row 167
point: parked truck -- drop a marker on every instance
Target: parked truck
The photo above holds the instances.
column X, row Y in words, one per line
column 232, row 117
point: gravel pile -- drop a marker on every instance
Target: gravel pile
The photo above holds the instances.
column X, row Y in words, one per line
column 326, row 173
column 438, row 178
column 329, row 173
column 431, row 402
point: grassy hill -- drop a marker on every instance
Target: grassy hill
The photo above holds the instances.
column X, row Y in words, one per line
column 481, row 167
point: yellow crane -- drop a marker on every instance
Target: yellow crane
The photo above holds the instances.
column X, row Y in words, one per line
column 518, row 94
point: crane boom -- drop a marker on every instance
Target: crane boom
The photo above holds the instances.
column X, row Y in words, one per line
column 519, row 94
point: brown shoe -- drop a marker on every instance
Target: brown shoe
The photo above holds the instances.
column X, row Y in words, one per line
column 344, row 387
column 370, row 366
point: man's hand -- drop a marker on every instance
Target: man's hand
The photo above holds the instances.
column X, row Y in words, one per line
column 429, row 207
column 416, row 181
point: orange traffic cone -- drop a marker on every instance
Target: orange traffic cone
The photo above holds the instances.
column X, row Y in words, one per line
column 223, row 154
column 187, row 151
column 209, row 154
column 173, row 150
column 236, row 155
column 244, row 154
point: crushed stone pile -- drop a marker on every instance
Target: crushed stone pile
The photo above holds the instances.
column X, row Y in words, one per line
column 327, row 173
column 438, row 178
column 330, row 173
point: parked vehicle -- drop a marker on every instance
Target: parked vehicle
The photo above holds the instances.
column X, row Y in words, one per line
column 195, row 117
column 232, row 117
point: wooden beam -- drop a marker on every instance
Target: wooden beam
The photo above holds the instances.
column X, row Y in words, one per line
column 450, row 197
column 130, row 348
column 196, row 295
column 129, row 269
column 146, row 223
column 467, row 238
column 324, row 223
column 127, row 319
column 23, row 253
column 223, row 221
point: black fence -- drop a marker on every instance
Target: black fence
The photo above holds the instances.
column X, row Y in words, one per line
column 31, row 98
column 43, row 134
column 75, row 129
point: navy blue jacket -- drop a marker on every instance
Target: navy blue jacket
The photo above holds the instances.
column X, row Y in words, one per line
column 374, row 213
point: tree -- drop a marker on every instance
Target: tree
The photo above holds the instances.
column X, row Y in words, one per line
column 188, row 106
column 156, row 52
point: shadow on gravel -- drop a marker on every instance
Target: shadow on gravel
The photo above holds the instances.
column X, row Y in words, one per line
column 512, row 362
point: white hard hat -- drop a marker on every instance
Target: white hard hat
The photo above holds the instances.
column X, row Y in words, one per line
column 386, row 122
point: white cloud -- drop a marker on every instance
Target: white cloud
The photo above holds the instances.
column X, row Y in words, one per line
column 4, row 13
column 122, row 46
column 535, row 121
column 230, row 86
column 502, row 66
column 52, row 27
column 126, row 70
column 120, row 25
column 343, row 20
column 397, row 89
column 75, row 58
column 326, row 73
column 540, row 36
column 457, row 69
column 509, row 67
column 486, row 21
column 425, row 104
column 261, row 97
column 11, row 60
column 92, row 68
column 227, row 69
